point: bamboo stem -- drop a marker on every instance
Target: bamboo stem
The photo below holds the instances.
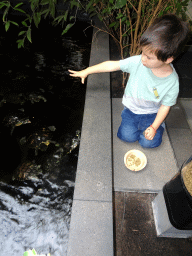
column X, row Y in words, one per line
column 120, row 24
column 131, row 26
column 155, row 12
column 132, row 6
column 137, row 25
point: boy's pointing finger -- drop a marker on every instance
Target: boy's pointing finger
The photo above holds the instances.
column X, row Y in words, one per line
column 72, row 72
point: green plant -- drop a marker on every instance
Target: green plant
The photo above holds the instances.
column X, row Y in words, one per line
column 34, row 253
column 38, row 10
column 125, row 20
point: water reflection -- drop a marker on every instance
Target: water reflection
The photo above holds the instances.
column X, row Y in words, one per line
column 41, row 110
column 34, row 215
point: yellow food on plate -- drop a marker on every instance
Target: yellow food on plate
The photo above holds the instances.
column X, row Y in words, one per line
column 132, row 161
column 135, row 160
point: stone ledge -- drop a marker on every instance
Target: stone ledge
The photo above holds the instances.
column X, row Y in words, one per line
column 91, row 227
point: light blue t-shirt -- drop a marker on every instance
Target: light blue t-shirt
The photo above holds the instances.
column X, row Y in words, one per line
column 145, row 92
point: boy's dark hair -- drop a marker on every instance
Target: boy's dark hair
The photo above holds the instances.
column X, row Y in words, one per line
column 166, row 37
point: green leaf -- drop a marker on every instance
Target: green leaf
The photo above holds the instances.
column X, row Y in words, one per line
column 65, row 15
column 24, row 23
column 167, row 8
column 100, row 17
column 29, row 18
column 34, row 252
column 29, row 34
column 160, row 14
column 18, row 5
column 30, row 253
column 58, row 19
column 105, row 11
column 52, row 10
column 2, row 4
column 127, row 23
column 15, row 23
column 19, row 10
column 92, row 14
column 120, row 3
column 112, row 24
column 71, row 18
column 37, row 19
column 21, row 33
column 116, row 25
column 44, row 2
column 5, row 13
column 89, row 5
column 119, row 16
column 34, row 4
column 74, row 3
column 123, row 19
column 45, row 11
column 20, row 43
column 7, row 25
column 67, row 28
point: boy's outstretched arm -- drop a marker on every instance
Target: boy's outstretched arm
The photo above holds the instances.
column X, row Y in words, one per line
column 106, row 66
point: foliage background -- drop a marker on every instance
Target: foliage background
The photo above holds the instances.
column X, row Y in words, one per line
column 124, row 20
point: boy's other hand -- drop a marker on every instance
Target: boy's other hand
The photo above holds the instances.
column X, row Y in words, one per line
column 149, row 133
column 82, row 74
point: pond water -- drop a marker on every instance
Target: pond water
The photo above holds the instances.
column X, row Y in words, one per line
column 41, row 110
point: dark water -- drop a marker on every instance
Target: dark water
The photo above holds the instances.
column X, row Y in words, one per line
column 41, row 110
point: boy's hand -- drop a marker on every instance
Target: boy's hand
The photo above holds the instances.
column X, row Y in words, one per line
column 149, row 133
column 82, row 74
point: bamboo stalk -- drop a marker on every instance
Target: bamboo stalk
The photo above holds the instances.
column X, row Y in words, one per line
column 120, row 25
column 155, row 13
column 132, row 6
column 137, row 25
column 131, row 26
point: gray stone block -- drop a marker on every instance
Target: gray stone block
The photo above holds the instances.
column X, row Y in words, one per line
column 176, row 118
column 94, row 169
column 91, row 229
column 181, row 141
column 161, row 163
column 187, row 105
column 91, row 226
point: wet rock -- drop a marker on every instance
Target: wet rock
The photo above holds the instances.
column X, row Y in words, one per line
column 14, row 119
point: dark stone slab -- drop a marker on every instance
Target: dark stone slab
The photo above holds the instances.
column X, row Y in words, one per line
column 135, row 229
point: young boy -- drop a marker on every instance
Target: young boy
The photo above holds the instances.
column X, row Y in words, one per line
column 153, row 84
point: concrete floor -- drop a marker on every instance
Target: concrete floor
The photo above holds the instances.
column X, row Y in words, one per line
column 135, row 233
column 134, row 226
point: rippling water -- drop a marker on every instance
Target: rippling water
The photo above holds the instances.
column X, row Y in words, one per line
column 41, row 110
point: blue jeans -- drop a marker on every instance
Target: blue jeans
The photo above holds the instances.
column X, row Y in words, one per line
column 133, row 126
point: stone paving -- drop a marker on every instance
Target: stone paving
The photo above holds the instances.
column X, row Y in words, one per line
column 91, row 228
column 101, row 170
column 161, row 164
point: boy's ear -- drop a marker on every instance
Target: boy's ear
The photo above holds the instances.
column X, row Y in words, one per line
column 169, row 60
